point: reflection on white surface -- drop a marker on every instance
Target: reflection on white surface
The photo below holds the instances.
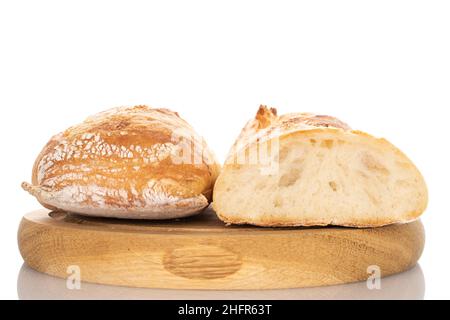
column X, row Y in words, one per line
column 35, row 285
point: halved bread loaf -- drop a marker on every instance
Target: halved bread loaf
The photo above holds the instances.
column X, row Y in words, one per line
column 128, row 162
column 305, row 170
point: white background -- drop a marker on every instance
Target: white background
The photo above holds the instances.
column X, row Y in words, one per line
column 382, row 66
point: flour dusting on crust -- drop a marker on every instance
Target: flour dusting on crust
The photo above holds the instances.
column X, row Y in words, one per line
column 119, row 163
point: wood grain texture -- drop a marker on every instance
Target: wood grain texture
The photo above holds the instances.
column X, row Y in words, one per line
column 202, row 253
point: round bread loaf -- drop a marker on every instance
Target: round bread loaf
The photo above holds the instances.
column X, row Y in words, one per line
column 128, row 162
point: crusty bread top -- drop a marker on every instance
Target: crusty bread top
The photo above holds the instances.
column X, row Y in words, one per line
column 128, row 149
column 267, row 117
column 268, row 125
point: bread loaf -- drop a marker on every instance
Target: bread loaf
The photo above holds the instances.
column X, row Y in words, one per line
column 315, row 170
column 136, row 162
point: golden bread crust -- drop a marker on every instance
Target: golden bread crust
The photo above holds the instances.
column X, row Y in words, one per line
column 267, row 125
column 122, row 161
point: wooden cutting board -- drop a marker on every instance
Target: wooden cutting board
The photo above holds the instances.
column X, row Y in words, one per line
column 202, row 253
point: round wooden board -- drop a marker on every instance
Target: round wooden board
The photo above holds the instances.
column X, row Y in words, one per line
column 202, row 253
